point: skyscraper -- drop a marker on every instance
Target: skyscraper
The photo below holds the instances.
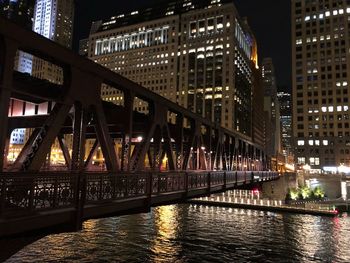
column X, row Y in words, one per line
column 285, row 101
column 320, row 35
column 271, row 107
column 20, row 11
column 53, row 19
column 83, row 47
column 199, row 54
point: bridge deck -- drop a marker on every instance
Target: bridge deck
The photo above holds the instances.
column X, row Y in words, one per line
column 32, row 202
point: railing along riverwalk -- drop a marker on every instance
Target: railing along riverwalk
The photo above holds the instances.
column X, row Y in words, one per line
column 248, row 199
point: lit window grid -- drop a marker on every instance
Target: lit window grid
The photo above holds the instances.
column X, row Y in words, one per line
column 328, row 122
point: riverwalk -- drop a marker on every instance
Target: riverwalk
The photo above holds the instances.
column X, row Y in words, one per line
column 245, row 199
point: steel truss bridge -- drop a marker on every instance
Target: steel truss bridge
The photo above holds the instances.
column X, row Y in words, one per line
column 200, row 157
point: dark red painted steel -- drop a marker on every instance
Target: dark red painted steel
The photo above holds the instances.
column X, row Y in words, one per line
column 189, row 141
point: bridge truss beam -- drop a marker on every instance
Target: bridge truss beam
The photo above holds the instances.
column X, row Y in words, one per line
column 72, row 114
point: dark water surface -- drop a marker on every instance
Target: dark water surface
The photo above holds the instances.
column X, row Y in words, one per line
column 188, row 233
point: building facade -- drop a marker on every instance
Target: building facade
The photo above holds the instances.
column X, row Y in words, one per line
column 20, row 11
column 83, row 47
column 285, row 102
column 272, row 109
column 320, row 40
column 199, row 54
column 53, row 19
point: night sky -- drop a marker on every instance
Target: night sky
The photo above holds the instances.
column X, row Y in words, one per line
column 269, row 20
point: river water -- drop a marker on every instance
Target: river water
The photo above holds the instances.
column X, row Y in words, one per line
column 190, row 233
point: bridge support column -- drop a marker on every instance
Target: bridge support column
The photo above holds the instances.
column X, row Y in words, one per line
column 126, row 144
column 8, row 50
column 79, row 129
column 178, row 136
column 80, row 198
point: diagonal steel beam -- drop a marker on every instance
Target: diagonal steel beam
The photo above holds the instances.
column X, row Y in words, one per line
column 8, row 50
column 188, row 148
column 91, row 154
column 46, row 137
column 79, row 138
column 157, row 148
column 17, row 165
column 104, row 138
column 178, row 135
column 129, row 98
column 168, row 149
column 65, row 151
column 139, row 153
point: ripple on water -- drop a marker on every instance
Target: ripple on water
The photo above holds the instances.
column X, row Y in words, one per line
column 185, row 233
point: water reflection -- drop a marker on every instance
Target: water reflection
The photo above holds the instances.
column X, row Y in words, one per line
column 186, row 233
column 164, row 246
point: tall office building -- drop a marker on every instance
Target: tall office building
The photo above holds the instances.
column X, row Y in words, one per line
column 20, row 11
column 321, row 61
column 83, row 47
column 272, row 109
column 285, row 101
column 199, row 54
column 53, row 19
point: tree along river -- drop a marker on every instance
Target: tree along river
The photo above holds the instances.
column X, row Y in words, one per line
column 190, row 233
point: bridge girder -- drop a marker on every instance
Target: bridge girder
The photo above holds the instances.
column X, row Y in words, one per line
column 187, row 140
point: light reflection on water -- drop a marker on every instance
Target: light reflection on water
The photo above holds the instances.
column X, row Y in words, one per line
column 188, row 233
column 166, row 226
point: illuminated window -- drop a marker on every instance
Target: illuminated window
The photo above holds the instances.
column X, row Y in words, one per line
column 301, row 160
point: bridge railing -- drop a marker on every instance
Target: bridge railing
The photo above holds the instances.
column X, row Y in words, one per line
column 217, row 178
column 107, row 187
column 197, row 180
column 25, row 194
column 168, row 182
